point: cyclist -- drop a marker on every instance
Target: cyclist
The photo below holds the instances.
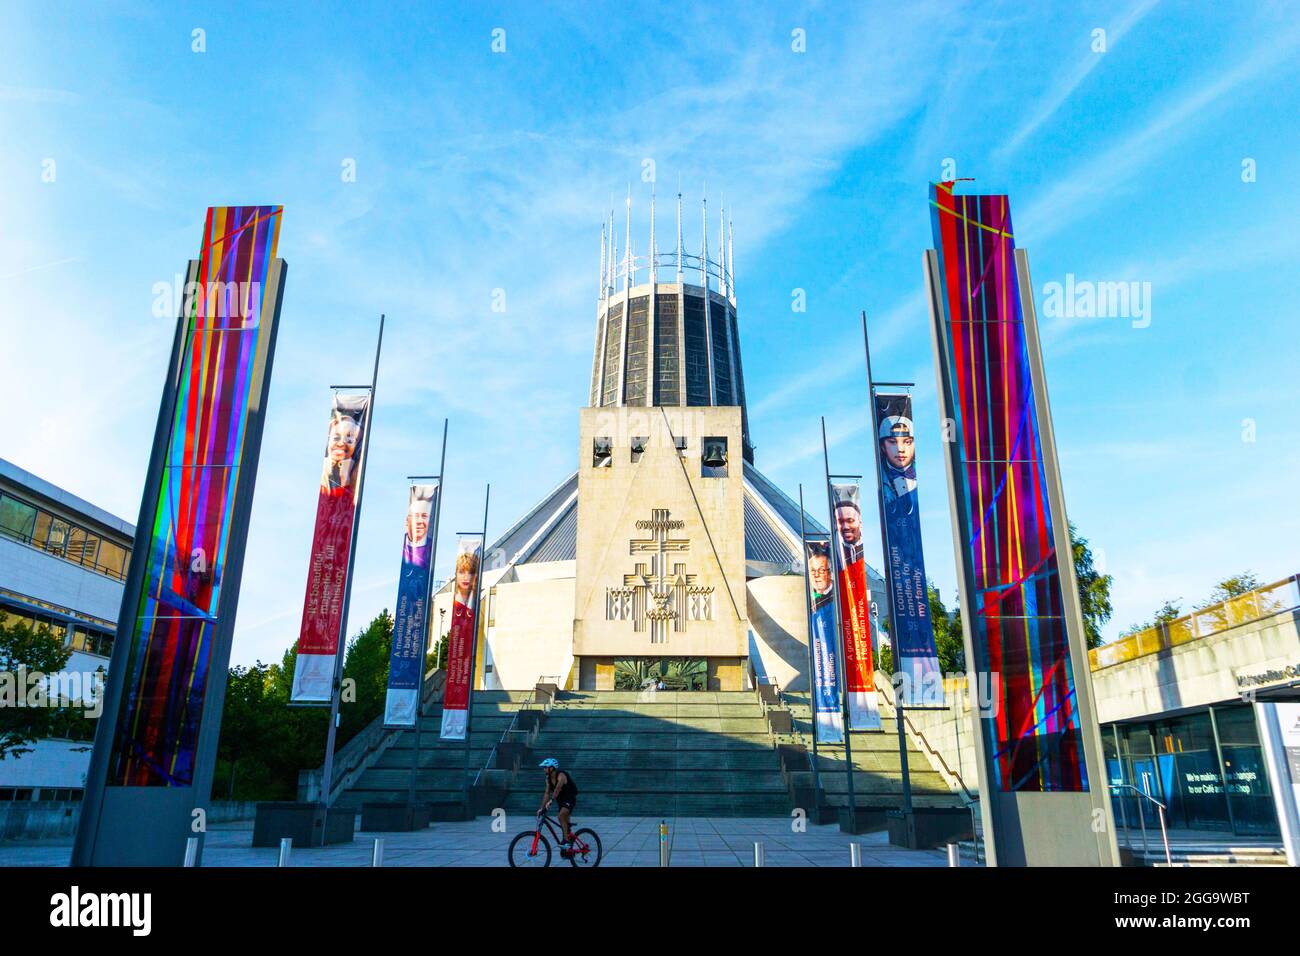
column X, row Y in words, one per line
column 560, row 788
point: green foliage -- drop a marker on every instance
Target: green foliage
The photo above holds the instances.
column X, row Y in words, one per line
column 684, row 673
column 1233, row 587
column 1094, row 589
column 1169, row 611
column 265, row 742
column 36, row 650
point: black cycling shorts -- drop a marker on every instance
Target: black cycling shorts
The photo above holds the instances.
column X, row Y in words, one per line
column 568, row 804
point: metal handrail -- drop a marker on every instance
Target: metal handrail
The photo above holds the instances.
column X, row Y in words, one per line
column 1160, row 807
column 526, row 705
column 920, row 736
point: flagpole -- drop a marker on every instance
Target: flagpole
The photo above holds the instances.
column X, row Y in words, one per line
column 336, row 687
column 812, row 668
column 843, row 664
column 473, row 648
column 428, row 617
column 889, row 576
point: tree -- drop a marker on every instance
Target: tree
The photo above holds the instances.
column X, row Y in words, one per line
column 947, row 637
column 1169, row 611
column 1233, row 587
column 1094, row 589
column 26, row 713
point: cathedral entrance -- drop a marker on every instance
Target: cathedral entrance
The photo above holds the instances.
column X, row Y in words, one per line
column 661, row 673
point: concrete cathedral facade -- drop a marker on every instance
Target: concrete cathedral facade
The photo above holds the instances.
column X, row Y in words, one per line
column 666, row 554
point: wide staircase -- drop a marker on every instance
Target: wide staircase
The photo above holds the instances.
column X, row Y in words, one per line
column 440, row 777
column 877, row 766
column 665, row 753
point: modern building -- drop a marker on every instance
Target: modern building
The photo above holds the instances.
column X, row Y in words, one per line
column 666, row 548
column 62, row 565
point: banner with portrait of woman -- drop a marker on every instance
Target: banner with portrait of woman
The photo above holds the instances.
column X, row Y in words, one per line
column 461, row 636
column 916, row 661
column 410, row 619
column 828, row 721
column 331, row 547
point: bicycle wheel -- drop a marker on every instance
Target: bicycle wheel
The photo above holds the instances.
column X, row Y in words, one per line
column 590, row 856
column 521, row 850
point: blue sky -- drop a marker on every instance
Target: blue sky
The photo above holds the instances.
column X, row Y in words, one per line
column 478, row 171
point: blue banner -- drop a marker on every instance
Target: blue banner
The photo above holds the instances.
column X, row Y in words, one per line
column 828, row 717
column 406, row 661
column 916, row 661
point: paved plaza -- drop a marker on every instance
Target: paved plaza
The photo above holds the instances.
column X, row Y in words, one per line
column 628, row 841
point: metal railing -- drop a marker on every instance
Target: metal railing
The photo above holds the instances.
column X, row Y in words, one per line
column 529, row 704
column 1160, row 808
column 887, row 691
column 362, row 750
column 1262, row 602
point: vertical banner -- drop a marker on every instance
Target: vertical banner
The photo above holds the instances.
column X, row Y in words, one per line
column 166, row 641
column 855, row 623
column 828, row 719
column 322, row 612
column 406, row 660
column 461, row 636
column 916, row 660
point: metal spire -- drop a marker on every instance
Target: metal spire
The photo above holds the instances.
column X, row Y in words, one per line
column 704, row 255
column 613, row 250
column 601, row 287
column 679, row 235
column 654, row 250
column 722, row 249
column 731, row 260
column 627, row 251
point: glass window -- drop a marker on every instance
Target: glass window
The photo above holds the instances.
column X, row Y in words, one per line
column 17, row 518
column 58, row 539
column 41, row 530
column 112, row 559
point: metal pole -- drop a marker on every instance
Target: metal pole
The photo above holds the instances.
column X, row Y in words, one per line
column 663, row 843
column 286, row 846
column 1123, row 811
column 759, row 859
column 428, row 610
column 473, row 648
column 812, row 673
column 839, row 629
column 855, row 854
column 1146, row 791
column 889, row 577
column 377, row 852
column 327, row 772
column 191, row 852
column 954, row 854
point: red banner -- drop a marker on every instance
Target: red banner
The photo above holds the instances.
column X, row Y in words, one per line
column 855, row 620
column 331, row 548
column 461, row 637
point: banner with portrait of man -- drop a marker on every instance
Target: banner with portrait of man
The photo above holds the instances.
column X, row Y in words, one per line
column 331, row 547
column 828, row 720
column 461, row 636
column 855, row 602
column 410, row 620
column 916, row 661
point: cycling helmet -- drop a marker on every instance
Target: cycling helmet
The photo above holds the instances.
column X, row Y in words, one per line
column 549, row 762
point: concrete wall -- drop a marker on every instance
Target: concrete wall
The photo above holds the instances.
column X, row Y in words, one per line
column 530, row 633
column 52, row 763
column 33, row 573
column 778, row 621
column 1208, row 670
column 611, row 502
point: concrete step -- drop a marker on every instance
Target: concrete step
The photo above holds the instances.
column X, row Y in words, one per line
column 551, row 738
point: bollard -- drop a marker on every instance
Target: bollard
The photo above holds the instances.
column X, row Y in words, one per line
column 954, row 854
column 855, row 854
column 758, row 854
column 377, row 854
column 663, row 843
column 192, row 851
column 286, row 844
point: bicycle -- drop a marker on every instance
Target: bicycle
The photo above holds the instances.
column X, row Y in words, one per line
column 531, row 848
